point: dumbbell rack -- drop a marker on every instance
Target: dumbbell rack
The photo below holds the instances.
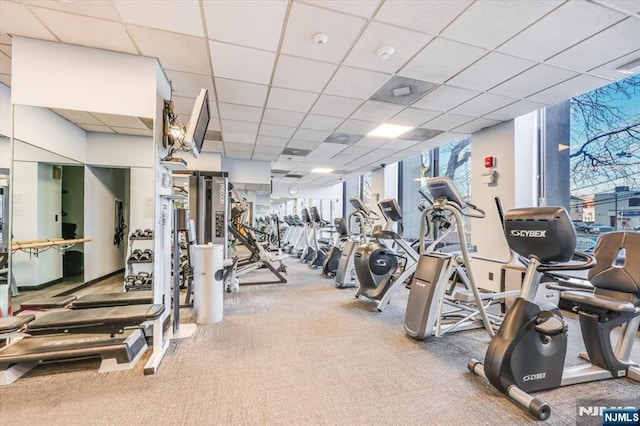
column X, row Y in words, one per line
column 135, row 267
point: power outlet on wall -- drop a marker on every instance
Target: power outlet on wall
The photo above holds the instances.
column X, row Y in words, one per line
column 490, row 276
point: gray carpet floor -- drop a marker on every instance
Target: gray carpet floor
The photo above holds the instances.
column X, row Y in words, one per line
column 302, row 353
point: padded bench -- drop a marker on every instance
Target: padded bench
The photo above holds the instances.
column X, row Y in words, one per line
column 104, row 300
column 100, row 320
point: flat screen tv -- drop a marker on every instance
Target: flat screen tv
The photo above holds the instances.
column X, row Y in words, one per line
column 198, row 122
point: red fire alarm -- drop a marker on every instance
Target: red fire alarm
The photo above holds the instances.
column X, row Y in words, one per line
column 489, row 162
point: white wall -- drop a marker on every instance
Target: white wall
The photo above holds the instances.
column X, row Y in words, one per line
column 5, row 110
column 391, row 181
column 512, row 144
column 281, row 190
column 206, row 161
column 45, row 129
column 59, row 75
column 246, row 171
column 102, row 187
column 111, row 150
column 141, row 198
column 5, row 152
column 36, row 218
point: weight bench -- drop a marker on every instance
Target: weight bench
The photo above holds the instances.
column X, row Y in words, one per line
column 68, row 334
column 93, row 300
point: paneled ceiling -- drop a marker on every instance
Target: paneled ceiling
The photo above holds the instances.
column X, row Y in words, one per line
column 457, row 66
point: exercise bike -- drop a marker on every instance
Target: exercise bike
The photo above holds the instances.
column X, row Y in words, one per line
column 528, row 352
column 332, row 258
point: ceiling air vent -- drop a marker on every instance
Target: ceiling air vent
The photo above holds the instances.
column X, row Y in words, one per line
column 296, row 151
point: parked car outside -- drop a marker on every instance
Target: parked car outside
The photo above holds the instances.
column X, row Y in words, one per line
column 600, row 229
column 579, row 226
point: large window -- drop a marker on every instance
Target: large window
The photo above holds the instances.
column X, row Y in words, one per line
column 452, row 159
column 605, row 159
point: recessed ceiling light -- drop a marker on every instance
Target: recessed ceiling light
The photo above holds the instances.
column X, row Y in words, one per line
column 630, row 68
column 389, row 130
column 321, row 170
column 401, row 91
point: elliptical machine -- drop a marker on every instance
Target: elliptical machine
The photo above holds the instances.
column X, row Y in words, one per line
column 332, row 258
column 444, row 295
column 528, row 352
column 345, row 275
column 377, row 263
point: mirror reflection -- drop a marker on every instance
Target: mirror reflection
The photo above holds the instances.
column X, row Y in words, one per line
column 85, row 184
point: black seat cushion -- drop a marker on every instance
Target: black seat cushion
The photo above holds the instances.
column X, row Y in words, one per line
column 47, row 302
column 608, row 273
column 102, row 300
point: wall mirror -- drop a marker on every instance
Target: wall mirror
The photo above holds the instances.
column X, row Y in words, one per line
column 80, row 175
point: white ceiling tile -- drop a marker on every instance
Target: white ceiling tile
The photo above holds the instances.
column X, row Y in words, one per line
column 355, row 83
column 372, row 142
column 515, row 110
column 413, row 117
column 240, row 112
column 376, row 111
column 282, row 118
column 238, row 146
column 174, row 51
column 400, row 144
column 78, row 117
column 241, row 63
column 16, row 19
column 446, row 137
column 568, row 89
column 335, row 106
column 305, row 21
column 276, row 131
column 406, row 43
column 628, row 6
column 5, row 64
column 608, row 70
column 264, row 156
column 234, row 126
column 180, row 16
column 86, row 31
column 342, row 158
column 291, row 100
column 96, row 9
column 236, row 155
column 444, row 98
column 134, row 132
column 447, row 121
column 489, row 71
column 311, row 135
column 364, row 8
column 426, row 16
column 441, row 60
column 490, row 23
column 189, row 85
column 419, row 147
column 321, row 122
column 606, row 46
column 296, row 143
column 328, row 150
column 483, row 104
column 357, row 127
column 239, row 139
column 214, row 124
column 268, row 149
column 302, row 74
column 567, row 25
column 249, row 23
column 239, row 92
column 212, row 146
column 97, row 129
column 357, row 150
column 476, row 125
column 270, row 140
column 120, row 120
column 533, row 80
